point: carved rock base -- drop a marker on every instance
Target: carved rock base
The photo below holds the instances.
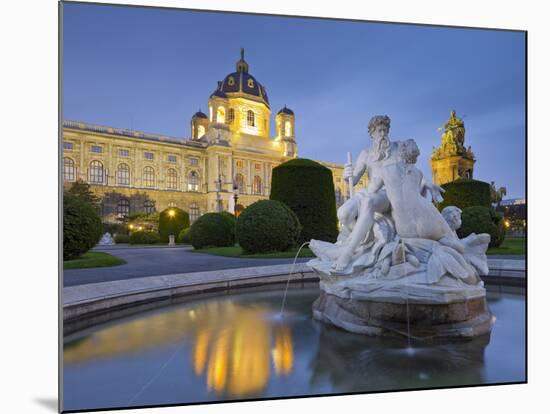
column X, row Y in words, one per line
column 465, row 318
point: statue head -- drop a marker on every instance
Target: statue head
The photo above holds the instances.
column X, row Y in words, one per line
column 379, row 127
column 453, row 113
column 408, row 151
column 453, row 217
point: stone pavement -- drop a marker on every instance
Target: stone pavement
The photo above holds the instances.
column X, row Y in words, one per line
column 154, row 261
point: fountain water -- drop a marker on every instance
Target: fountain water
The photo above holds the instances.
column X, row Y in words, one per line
column 289, row 275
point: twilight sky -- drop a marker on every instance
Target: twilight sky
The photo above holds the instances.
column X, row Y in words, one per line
column 152, row 69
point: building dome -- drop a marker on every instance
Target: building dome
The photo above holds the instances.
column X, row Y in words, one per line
column 242, row 82
column 200, row 114
column 286, row 110
column 219, row 93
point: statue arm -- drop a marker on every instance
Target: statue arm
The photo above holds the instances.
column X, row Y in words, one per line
column 433, row 191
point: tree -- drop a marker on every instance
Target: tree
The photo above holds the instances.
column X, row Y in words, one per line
column 496, row 195
column 82, row 190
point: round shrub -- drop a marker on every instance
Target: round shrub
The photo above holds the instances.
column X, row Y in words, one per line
column 479, row 219
column 183, row 237
column 82, row 227
column 121, row 238
column 465, row 193
column 211, row 230
column 230, row 219
column 144, row 237
column 172, row 224
column 307, row 188
column 267, row 226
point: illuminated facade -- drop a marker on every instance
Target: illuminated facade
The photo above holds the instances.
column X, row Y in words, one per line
column 229, row 147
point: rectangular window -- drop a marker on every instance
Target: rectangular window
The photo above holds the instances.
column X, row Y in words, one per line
column 193, row 161
column 98, row 149
column 239, row 163
column 123, row 153
column 172, row 158
column 68, row 145
column 257, row 167
column 148, row 156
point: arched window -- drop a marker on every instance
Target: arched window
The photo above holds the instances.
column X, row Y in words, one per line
column 172, row 179
column 200, row 131
column 95, row 172
column 68, row 169
column 288, row 129
column 123, row 207
column 230, row 116
column 220, row 116
column 211, row 113
column 149, row 207
column 239, row 183
column 148, row 177
column 123, row 174
column 194, row 212
column 193, row 184
column 250, row 118
column 257, row 185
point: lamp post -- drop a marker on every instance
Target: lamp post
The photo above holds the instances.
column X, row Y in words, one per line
column 219, row 204
column 171, row 236
column 235, row 198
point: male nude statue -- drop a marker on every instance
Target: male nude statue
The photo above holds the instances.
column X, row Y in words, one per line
column 356, row 215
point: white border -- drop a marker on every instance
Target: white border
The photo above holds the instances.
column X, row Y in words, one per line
column 28, row 99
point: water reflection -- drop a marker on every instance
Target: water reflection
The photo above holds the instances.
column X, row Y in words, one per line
column 236, row 347
column 356, row 363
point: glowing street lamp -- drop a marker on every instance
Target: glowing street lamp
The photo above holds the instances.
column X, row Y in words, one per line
column 171, row 237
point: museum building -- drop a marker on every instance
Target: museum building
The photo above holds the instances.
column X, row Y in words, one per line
column 229, row 156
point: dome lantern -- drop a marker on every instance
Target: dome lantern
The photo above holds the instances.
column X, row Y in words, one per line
column 242, row 66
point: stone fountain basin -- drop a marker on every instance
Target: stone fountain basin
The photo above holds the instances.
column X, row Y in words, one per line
column 413, row 310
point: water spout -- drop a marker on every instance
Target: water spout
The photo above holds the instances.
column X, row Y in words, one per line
column 288, row 280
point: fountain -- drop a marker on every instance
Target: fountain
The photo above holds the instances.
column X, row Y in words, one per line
column 398, row 266
column 106, row 240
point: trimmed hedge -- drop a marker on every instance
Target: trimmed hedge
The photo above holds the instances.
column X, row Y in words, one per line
column 211, row 230
column 183, row 237
column 479, row 219
column 121, row 238
column 307, row 188
column 144, row 237
column 465, row 193
column 82, row 227
column 267, row 226
column 172, row 225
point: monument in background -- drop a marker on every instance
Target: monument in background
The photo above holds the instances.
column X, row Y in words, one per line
column 452, row 160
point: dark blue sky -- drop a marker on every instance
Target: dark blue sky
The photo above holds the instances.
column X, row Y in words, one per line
column 151, row 69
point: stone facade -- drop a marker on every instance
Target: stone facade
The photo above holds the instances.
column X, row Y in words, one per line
column 229, row 148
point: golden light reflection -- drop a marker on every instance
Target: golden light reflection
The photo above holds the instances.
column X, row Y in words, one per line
column 235, row 348
column 283, row 357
